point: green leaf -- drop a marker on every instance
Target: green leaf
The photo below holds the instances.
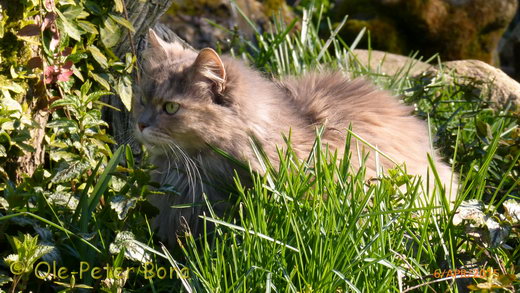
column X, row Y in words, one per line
column 122, row 21
column 28, row 251
column 3, row 152
column 63, row 199
column 103, row 82
column 10, row 104
column 67, row 101
column 129, row 157
column 12, row 86
column 62, row 123
column 73, row 12
column 96, row 95
column 68, row 232
column 125, row 240
column 98, row 56
column 122, row 205
column 63, row 155
column 71, row 29
column 119, row 6
column 70, row 171
column 94, row 7
column 5, row 279
column 88, row 27
column 100, row 188
column 124, row 90
column 110, row 33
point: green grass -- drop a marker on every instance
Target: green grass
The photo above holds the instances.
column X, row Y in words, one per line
column 308, row 225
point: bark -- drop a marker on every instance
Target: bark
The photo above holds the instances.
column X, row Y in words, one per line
column 29, row 161
column 143, row 15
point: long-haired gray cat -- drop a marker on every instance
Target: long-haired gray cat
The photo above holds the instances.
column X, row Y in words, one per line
column 187, row 101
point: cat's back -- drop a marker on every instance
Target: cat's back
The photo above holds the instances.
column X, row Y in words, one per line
column 382, row 119
column 331, row 97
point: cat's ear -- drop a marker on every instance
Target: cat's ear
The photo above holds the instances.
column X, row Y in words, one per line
column 156, row 42
column 209, row 65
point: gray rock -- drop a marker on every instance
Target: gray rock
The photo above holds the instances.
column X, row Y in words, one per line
column 388, row 63
column 502, row 89
column 488, row 79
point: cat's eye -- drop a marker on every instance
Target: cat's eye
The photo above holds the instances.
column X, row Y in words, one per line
column 171, row 107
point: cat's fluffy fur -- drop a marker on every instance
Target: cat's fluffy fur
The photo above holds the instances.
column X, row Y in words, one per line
column 224, row 103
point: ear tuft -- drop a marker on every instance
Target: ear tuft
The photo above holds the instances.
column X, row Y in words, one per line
column 209, row 64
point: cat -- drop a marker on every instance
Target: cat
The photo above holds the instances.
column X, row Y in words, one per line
column 188, row 101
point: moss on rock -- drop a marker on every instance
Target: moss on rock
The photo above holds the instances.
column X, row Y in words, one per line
column 456, row 29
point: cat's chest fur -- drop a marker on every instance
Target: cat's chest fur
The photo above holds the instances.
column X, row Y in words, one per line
column 189, row 184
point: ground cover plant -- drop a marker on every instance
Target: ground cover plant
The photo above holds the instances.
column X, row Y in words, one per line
column 308, row 225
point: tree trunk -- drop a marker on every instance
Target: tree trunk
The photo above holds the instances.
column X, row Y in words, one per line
column 143, row 15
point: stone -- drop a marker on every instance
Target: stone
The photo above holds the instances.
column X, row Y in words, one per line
column 189, row 19
column 488, row 79
column 502, row 89
column 388, row 63
column 455, row 29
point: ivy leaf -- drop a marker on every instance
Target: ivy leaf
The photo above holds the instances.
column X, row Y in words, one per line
column 124, row 90
column 98, row 56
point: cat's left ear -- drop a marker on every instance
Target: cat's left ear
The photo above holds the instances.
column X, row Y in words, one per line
column 209, row 65
column 156, row 42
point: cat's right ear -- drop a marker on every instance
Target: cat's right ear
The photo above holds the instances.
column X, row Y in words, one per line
column 156, row 43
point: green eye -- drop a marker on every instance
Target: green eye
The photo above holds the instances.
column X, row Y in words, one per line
column 171, row 107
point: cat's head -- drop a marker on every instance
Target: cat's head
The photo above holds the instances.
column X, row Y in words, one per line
column 183, row 97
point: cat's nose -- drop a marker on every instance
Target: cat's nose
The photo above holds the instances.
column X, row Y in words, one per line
column 141, row 126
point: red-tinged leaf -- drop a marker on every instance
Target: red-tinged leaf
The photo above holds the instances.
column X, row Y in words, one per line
column 66, row 52
column 50, row 19
column 67, row 65
column 64, row 75
column 47, row 79
column 35, row 62
column 49, row 74
column 29, row 30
